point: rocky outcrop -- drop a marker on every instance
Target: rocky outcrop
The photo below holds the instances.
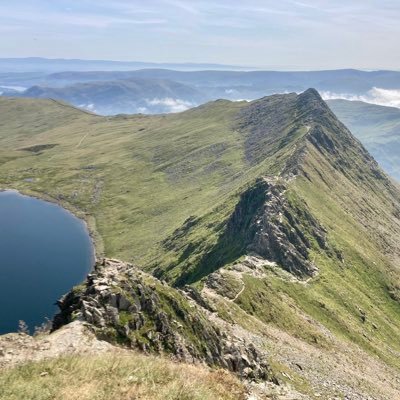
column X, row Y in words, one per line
column 269, row 221
column 285, row 230
column 74, row 338
column 127, row 306
column 271, row 225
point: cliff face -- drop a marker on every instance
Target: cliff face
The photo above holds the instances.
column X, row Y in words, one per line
column 127, row 306
column 286, row 232
column 268, row 224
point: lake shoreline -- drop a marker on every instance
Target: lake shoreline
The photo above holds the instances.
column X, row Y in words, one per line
column 47, row 249
column 88, row 220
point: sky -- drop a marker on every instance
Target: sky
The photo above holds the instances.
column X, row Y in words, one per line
column 279, row 34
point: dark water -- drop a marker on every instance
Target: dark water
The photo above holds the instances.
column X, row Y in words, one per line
column 44, row 251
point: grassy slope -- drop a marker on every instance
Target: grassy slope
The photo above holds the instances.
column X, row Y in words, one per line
column 377, row 127
column 361, row 215
column 359, row 208
column 141, row 177
column 109, row 376
column 128, row 172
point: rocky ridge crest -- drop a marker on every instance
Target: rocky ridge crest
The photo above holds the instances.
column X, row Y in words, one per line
column 126, row 306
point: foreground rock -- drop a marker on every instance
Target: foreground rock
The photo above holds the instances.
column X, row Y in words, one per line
column 126, row 306
column 17, row 348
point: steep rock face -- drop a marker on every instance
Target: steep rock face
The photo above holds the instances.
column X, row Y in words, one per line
column 334, row 141
column 126, row 306
column 285, row 231
column 275, row 227
column 268, row 222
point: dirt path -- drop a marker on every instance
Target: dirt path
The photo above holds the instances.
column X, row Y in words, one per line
column 82, row 139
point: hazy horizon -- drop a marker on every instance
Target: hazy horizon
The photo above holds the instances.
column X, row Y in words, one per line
column 226, row 67
column 290, row 35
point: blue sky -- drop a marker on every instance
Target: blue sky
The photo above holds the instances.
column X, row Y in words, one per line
column 287, row 34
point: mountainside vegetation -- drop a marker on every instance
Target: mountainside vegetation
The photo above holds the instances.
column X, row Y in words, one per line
column 102, row 377
column 270, row 216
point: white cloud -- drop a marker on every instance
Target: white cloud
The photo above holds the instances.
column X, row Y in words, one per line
column 17, row 88
column 89, row 107
column 172, row 105
column 379, row 96
column 92, row 20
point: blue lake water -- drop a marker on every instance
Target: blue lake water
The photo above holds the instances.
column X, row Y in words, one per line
column 44, row 251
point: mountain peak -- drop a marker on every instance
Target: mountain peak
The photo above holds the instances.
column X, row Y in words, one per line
column 311, row 93
column 275, row 122
column 313, row 107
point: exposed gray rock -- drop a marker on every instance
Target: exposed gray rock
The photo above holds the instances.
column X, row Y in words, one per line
column 126, row 306
column 267, row 224
column 282, row 233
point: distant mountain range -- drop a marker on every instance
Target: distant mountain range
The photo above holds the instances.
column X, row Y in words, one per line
column 113, row 92
column 49, row 65
column 153, row 91
column 130, row 96
column 251, row 83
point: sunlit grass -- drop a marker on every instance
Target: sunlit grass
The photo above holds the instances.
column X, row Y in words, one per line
column 117, row 377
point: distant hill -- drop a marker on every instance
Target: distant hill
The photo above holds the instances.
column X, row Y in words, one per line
column 123, row 96
column 377, row 127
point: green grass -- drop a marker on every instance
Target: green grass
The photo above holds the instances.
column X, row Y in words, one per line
column 359, row 209
column 359, row 219
column 135, row 179
column 126, row 172
column 272, row 305
column 119, row 377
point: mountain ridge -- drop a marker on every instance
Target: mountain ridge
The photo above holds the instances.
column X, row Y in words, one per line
column 308, row 123
column 290, row 245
